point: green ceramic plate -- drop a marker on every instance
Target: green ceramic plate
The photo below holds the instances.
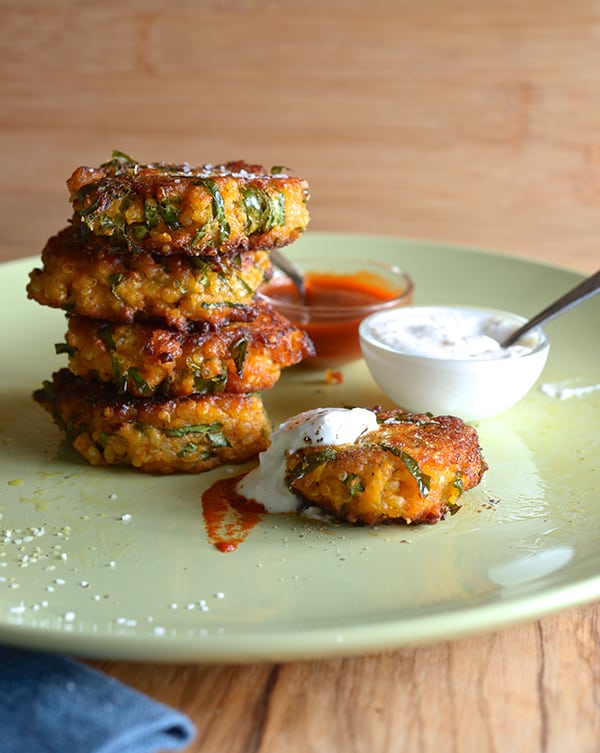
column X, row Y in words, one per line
column 75, row 577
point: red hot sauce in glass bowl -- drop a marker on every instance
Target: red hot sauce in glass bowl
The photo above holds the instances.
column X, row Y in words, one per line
column 336, row 302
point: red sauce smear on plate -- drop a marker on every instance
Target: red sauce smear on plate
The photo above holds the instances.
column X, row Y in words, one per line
column 228, row 516
column 334, row 332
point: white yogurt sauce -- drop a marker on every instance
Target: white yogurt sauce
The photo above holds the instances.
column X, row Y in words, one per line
column 454, row 334
column 314, row 428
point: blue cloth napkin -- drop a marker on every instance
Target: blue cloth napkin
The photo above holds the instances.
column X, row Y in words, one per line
column 52, row 704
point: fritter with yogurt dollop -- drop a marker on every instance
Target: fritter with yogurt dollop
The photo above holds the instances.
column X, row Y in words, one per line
column 412, row 467
column 367, row 466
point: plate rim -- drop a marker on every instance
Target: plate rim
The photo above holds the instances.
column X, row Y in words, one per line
column 325, row 641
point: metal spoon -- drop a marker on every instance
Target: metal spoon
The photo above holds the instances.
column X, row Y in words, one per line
column 286, row 266
column 579, row 293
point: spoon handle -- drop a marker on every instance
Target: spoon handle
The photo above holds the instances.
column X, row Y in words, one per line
column 579, row 293
column 286, row 266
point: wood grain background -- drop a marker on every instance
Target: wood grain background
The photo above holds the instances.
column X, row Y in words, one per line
column 472, row 122
column 523, row 690
column 476, row 123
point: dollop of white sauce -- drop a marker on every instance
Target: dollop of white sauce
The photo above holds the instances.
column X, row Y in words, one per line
column 452, row 334
column 314, row 428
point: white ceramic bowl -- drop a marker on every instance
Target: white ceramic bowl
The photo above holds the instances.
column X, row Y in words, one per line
column 471, row 387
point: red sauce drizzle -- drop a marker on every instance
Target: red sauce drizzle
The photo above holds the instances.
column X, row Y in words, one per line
column 228, row 516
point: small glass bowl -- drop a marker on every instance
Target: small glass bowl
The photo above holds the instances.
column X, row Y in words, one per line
column 340, row 294
column 468, row 387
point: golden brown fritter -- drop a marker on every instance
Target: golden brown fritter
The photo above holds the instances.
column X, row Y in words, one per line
column 171, row 209
column 124, row 287
column 413, row 467
column 191, row 434
column 145, row 359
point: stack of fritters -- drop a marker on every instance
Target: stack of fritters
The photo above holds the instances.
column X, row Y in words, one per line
column 167, row 344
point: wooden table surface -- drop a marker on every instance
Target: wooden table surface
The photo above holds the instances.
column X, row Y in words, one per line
column 473, row 123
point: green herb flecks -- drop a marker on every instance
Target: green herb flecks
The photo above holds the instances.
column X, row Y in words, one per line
column 202, row 268
column 244, row 284
column 210, row 385
column 191, row 448
column 264, row 211
column 223, row 304
column 459, row 483
column 99, row 222
column 93, row 202
column 114, row 281
column 207, row 385
column 106, row 338
column 151, row 213
column 169, row 211
column 213, row 433
column 81, row 199
column 308, row 464
column 353, row 482
column 218, row 209
column 200, row 233
column 275, row 213
column 238, row 351
column 139, row 231
column 422, row 479
column 139, row 381
column 407, row 418
column 103, row 438
column 119, row 376
column 119, row 158
column 156, row 212
column 253, row 199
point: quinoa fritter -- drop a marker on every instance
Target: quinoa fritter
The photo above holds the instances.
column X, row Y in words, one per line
column 124, row 287
column 146, row 359
column 191, row 434
column 169, row 209
column 412, row 467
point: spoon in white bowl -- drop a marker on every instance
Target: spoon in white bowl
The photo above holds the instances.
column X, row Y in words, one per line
column 585, row 289
column 286, row 266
